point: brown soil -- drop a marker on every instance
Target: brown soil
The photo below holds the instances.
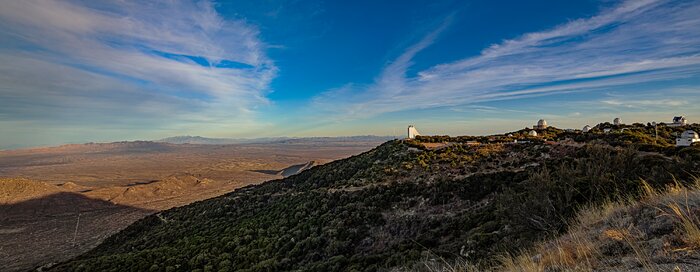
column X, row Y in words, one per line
column 58, row 202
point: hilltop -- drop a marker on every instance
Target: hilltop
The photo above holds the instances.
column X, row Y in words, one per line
column 405, row 203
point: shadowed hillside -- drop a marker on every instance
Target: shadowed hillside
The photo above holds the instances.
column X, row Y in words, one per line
column 59, row 225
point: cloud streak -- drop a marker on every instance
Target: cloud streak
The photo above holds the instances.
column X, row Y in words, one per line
column 162, row 64
column 634, row 42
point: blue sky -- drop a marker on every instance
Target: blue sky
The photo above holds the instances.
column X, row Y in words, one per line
column 79, row 71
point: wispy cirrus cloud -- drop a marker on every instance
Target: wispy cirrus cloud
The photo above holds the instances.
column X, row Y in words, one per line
column 645, row 103
column 156, row 64
column 631, row 43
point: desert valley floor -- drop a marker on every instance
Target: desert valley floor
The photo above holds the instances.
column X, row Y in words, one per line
column 58, row 202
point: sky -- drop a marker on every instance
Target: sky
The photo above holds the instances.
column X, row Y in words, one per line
column 100, row 71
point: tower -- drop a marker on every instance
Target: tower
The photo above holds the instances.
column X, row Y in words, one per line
column 412, row 132
column 617, row 122
column 541, row 124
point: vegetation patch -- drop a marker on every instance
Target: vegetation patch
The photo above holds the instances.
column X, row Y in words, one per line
column 463, row 205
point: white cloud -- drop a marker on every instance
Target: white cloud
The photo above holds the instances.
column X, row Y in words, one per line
column 153, row 64
column 645, row 103
column 634, row 42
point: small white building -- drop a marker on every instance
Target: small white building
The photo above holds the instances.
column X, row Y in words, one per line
column 679, row 121
column 532, row 133
column 617, row 121
column 687, row 138
column 607, row 130
column 586, row 128
column 412, row 132
column 541, row 124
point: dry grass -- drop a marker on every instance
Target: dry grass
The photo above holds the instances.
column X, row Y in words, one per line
column 683, row 213
column 576, row 251
column 573, row 253
column 444, row 266
column 579, row 249
column 434, row 263
column 434, row 145
column 639, row 251
column 689, row 224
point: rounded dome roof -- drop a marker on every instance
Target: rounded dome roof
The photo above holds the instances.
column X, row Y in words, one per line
column 542, row 122
column 689, row 134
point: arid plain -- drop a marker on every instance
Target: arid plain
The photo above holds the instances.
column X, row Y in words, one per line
column 58, row 202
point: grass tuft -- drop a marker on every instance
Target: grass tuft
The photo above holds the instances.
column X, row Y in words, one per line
column 580, row 249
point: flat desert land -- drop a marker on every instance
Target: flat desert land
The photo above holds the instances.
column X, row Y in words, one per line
column 58, row 202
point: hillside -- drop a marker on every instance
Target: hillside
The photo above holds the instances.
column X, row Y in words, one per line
column 659, row 232
column 19, row 189
column 103, row 187
column 404, row 202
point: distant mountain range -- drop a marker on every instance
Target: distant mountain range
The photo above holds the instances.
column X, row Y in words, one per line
column 163, row 143
column 205, row 140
